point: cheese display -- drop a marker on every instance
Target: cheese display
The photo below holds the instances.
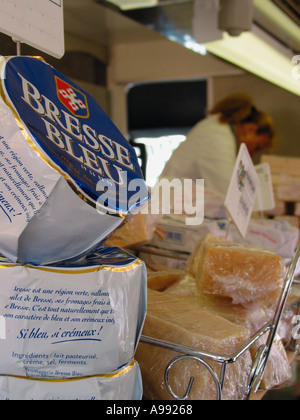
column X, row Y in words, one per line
column 280, row 235
column 125, row 384
column 176, row 320
column 253, row 316
column 241, row 272
column 74, row 303
column 72, row 320
column 68, row 177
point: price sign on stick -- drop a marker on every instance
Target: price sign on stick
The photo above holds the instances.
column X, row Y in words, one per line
column 265, row 196
column 241, row 196
column 39, row 23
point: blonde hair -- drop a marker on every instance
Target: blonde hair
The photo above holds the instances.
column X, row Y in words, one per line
column 239, row 108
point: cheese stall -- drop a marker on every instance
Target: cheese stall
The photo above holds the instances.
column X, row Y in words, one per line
column 118, row 283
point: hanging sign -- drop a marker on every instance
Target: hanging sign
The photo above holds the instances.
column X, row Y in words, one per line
column 38, row 23
column 241, row 196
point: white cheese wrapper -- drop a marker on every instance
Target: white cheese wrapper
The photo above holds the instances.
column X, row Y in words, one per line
column 74, row 320
column 41, row 219
column 65, row 169
column 123, row 385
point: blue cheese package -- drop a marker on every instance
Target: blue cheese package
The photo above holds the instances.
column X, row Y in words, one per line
column 123, row 385
column 68, row 177
column 71, row 320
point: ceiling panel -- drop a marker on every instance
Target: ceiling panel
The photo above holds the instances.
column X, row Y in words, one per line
column 103, row 24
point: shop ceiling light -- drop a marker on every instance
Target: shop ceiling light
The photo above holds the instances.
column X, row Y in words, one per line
column 269, row 16
column 133, row 4
column 260, row 54
column 257, row 51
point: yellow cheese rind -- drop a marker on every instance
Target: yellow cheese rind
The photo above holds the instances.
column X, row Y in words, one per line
column 162, row 280
column 253, row 316
column 176, row 320
column 242, row 272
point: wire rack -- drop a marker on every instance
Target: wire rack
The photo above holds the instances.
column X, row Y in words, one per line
column 262, row 356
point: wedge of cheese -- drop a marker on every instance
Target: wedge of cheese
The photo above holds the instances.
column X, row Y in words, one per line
column 134, row 232
column 241, row 272
column 174, row 319
column 162, row 280
column 253, row 316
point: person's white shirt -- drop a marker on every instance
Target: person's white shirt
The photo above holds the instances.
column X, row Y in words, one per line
column 208, row 153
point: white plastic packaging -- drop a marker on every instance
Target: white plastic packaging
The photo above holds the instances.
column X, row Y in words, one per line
column 72, row 320
column 123, row 385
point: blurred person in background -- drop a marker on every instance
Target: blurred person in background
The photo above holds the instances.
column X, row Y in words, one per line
column 211, row 147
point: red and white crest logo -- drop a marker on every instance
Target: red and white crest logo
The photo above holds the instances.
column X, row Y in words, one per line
column 74, row 100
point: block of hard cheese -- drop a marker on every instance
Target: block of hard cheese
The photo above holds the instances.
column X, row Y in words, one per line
column 176, row 320
column 253, row 316
column 241, row 272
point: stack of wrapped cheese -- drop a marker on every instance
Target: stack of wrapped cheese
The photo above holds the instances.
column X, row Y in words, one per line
column 72, row 310
column 228, row 292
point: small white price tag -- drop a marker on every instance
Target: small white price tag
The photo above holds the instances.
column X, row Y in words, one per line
column 241, row 196
column 265, row 195
column 38, row 23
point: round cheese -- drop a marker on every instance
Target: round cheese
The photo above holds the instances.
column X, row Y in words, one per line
column 71, row 320
column 68, row 177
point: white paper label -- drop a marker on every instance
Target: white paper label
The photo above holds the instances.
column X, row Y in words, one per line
column 242, row 191
column 38, row 23
column 265, row 194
